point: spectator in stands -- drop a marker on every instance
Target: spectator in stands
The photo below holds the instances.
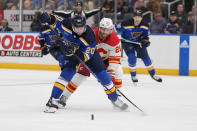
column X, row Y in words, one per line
column 62, row 6
column 70, row 5
column 140, row 5
column 154, row 6
column 193, row 9
column 133, row 2
column 188, row 28
column 181, row 14
column 109, row 5
column 188, row 5
column 36, row 4
column 4, row 24
column 173, row 26
column 27, row 5
column 51, row 5
column 1, row 4
column 35, row 25
column 89, row 5
column 10, row 5
column 159, row 23
column 164, row 8
column 122, row 8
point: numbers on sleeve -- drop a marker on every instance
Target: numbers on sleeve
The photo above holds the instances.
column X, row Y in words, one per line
column 90, row 50
column 118, row 49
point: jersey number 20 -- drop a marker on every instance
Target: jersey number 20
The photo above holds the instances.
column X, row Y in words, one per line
column 90, row 50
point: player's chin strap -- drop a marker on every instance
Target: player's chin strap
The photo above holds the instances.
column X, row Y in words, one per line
column 97, row 77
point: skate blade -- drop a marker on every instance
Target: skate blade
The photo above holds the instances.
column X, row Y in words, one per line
column 115, row 108
column 135, row 83
column 50, row 110
column 61, row 107
column 123, row 108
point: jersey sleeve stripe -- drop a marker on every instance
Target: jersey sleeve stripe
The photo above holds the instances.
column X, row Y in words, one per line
column 114, row 61
column 66, row 29
column 127, row 27
column 144, row 27
column 114, row 57
column 84, row 41
column 45, row 31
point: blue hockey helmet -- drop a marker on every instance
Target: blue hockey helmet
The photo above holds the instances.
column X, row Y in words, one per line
column 78, row 20
column 78, row 24
column 137, row 13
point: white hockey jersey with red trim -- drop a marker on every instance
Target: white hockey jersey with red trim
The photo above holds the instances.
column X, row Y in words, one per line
column 110, row 51
column 109, row 48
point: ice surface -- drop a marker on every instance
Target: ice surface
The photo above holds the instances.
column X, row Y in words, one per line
column 171, row 105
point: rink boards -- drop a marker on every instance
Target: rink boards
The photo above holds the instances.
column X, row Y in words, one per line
column 170, row 54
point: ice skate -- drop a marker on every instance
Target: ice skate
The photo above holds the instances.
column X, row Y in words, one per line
column 120, row 104
column 156, row 78
column 62, row 102
column 134, row 79
column 51, row 106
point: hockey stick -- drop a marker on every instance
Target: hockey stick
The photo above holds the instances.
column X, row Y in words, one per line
column 94, row 74
column 106, row 87
column 132, row 42
column 128, row 41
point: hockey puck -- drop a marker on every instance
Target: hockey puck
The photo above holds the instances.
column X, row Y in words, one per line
column 92, row 116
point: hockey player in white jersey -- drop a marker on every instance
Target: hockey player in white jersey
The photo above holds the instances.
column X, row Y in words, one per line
column 109, row 49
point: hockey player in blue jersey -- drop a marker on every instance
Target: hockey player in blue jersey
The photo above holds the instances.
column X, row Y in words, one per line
column 136, row 30
column 77, row 40
column 47, row 38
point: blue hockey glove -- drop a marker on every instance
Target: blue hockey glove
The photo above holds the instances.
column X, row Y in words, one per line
column 45, row 18
column 68, row 48
column 45, row 49
column 145, row 43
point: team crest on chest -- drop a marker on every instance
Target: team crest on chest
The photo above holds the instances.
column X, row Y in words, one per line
column 135, row 34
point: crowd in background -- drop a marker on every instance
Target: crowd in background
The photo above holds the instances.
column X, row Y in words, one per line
column 180, row 19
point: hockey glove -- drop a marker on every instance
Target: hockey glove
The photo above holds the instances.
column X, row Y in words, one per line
column 145, row 43
column 67, row 48
column 45, row 18
column 45, row 49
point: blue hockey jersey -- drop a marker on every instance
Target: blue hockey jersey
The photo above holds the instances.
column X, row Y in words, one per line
column 134, row 33
column 86, row 42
